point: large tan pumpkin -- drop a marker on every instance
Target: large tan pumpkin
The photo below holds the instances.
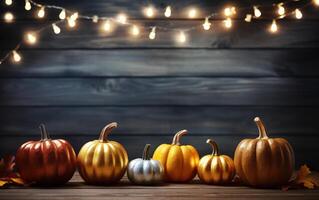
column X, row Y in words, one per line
column 264, row 162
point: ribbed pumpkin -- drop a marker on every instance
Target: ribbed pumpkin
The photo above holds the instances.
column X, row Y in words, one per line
column 46, row 162
column 216, row 169
column 179, row 161
column 264, row 162
column 102, row 161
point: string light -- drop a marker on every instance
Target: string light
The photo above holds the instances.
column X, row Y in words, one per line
column 74, row 16
column 56, row 29
column 228, row 23
column 8, row 17
column 181, row 37
column 273, row 27
column 121, row 18
column 27, row 5
column 257, row 12
column 149, row 11
column 229, row 11
column 206, row 24
column 192, row 13
column 41, row 12
column 71, row 22
column 168, row 11
column 95, row 19
column 135, row 30
column 31, row 38
column 15, row 56
column 8, row 2
column 316, row 2
column 152, row 34
column 248, row 18
column 107, row 26
column 62, row 14
column 298, row 14
column 281, row 10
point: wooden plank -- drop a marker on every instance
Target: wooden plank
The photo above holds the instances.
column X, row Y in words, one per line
column 158, row 91
column 164, row 62
column 145, row 120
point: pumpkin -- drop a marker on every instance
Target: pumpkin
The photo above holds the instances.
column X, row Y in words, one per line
column 215, row 168
column 102, row 161
column 179, row 161
column 145, row 171
column 264, row 162
column 47, row 161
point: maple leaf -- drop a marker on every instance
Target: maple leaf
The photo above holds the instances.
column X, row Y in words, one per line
column 7, row 172
column 304, row 178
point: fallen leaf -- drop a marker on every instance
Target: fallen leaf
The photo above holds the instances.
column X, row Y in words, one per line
column 7, row 165
column 2, row 183
column 304, row 178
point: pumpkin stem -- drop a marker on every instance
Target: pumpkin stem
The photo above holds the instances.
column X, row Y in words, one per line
column 261, row 128
column 178, row 135
column 44, row 133
column 107, row 130
column 146, row 152
column 214, row 147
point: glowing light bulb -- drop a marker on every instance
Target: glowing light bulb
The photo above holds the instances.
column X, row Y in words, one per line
column 181, row 37
column 281, row 10
column 31, row 38
column 298, row 14
column 107, row 26
column 206, row 24
column 168, row 11
column 152, row 34
column 229, row 11
column 122, row 18
column 71, row 22
column 228, row 23
column 248, row 18
column 8, row 2
column 16, row 57
column 41, row 12
column 149, row 11
column 62, row 14
column 192, row 13
column 74, row 16
column 257, row 12
column 273, row 27
column 135, row 30
column 27, row 5
column 95, row 19
column 8, row 17
column 316, row 2
column 56, row 29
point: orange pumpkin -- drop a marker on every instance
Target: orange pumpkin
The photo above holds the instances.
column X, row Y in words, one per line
column 102, row 161
column 264, row 161
column 179, row 161
column 215, row 168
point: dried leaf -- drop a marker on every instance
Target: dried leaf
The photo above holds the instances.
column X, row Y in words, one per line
column 2, row 183
column 7, row 166
column 303, row 172
column 304, row 179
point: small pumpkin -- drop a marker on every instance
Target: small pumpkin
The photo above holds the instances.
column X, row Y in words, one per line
column 102, row 161
column 264, row 162
column 216, row 169
column 179, row 161
column 47, row 161
column 145, row 171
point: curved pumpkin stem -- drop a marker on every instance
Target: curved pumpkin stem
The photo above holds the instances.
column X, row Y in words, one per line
column 44, row 133
column 146, row 152
column 214, row 147
column 178, row 135
column 107, row 130
column 261, row 128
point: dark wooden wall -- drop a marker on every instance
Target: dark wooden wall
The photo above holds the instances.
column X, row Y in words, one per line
column 214, row 85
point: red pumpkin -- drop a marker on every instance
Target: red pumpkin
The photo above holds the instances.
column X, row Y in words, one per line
column 46, row 162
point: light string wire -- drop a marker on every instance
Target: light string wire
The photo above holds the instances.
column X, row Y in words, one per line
column 207, row 18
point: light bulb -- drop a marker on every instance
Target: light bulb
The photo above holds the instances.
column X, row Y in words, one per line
column 149, row 11
column 31, row 38
column 206, row 24
column 192, row 13
column 298, row 14
column 181, row 37
column 8, row 2
column 152, row 34
column 107, row 26
column 135, row 30
column 273, row 27
column 62, row 14
column 121, row 18
column 228, row 23
column 229, row 11
column 248, row 18
column 16, row 57
column 71, row 22
column 8, row 17
column 281, row 10
column 316, row 2
column 74, row 16
column 56, row 29
column 257, row 12
column 27, row 5
column 168, row 11
column 41, row 12
column 95, row 19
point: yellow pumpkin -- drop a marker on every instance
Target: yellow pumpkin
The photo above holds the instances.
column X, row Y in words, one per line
column 215, row 168
column 264, row 161
column 102, row 161
column 179, row 161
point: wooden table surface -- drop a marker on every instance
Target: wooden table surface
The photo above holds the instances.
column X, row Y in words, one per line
column 76, row 189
